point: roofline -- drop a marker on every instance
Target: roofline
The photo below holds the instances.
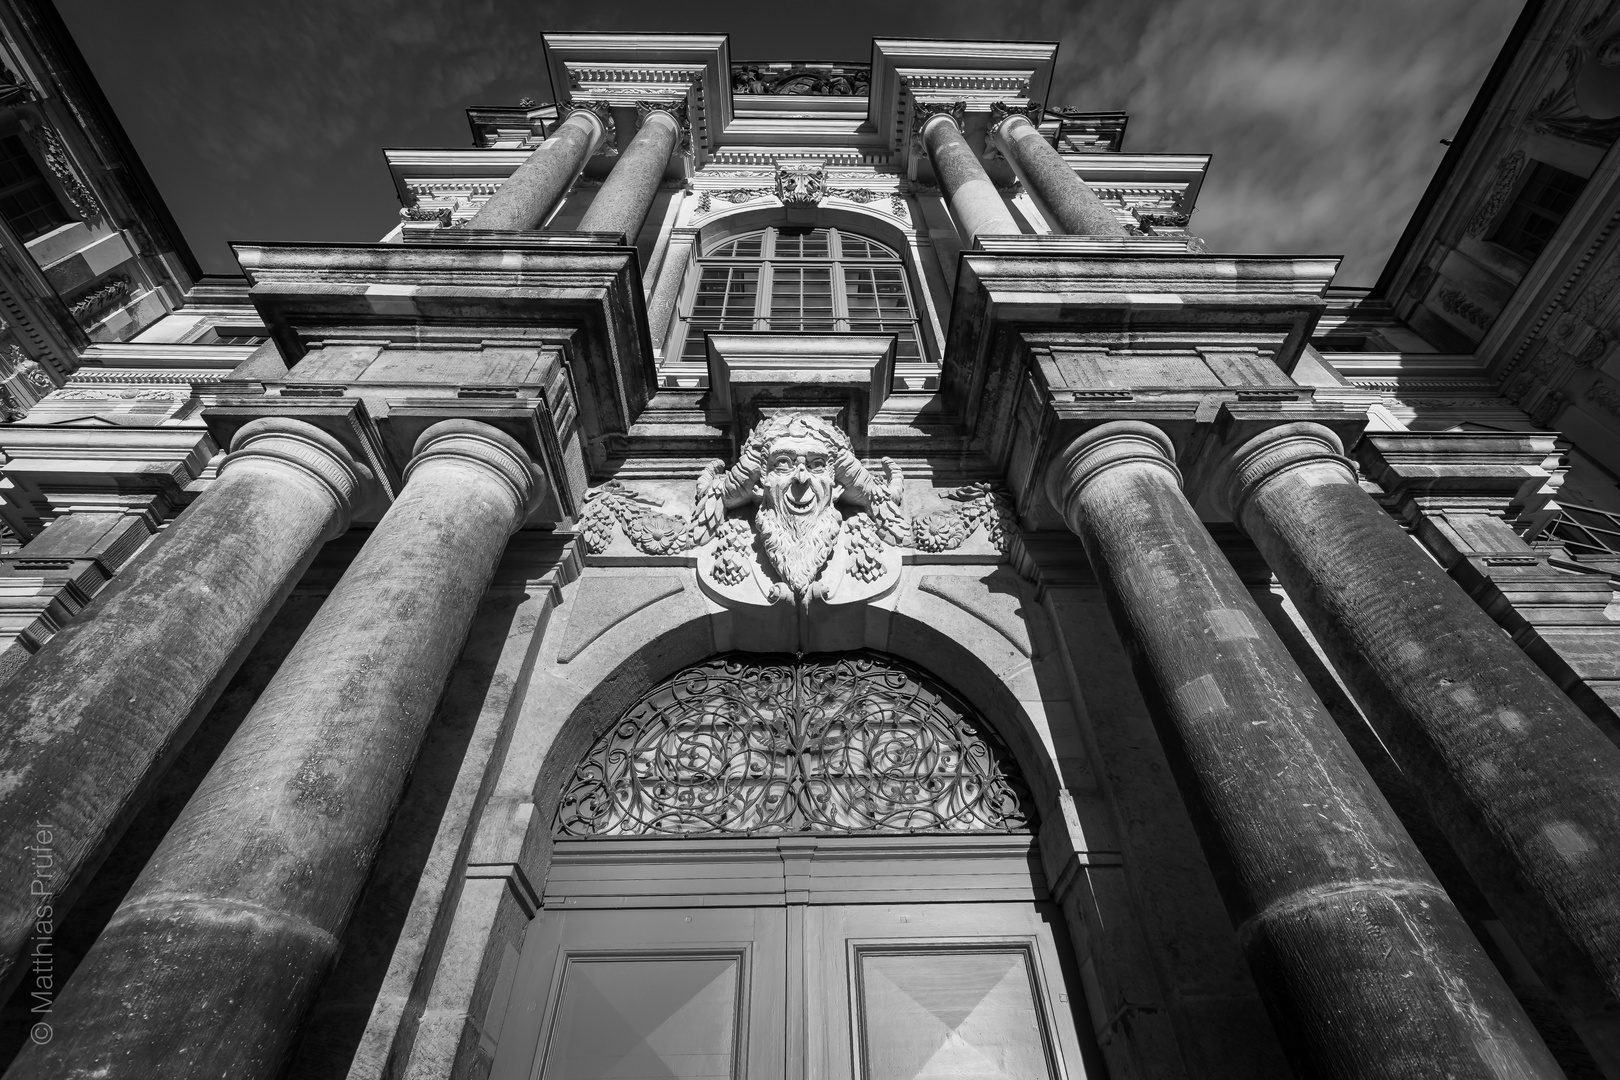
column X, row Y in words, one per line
column 1459, row 142
column 47, row 24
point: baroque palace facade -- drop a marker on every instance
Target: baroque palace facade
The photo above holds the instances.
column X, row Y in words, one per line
column 788, row 570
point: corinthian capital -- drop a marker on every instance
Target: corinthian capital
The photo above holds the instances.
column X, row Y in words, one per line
column 675, row 109
column 603, row 114
column 924, row 111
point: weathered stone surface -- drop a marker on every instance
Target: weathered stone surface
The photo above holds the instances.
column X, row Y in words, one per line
column 1069, row 205
column 1365, row 965
column 221, row 946
column 1525, row 787
column 531, row 192
column 622, row 204
column 975, row 203
column 90, row 723
column 605, row 600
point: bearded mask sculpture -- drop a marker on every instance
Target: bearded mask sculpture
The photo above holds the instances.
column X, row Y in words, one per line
column 797, row 519
column 797, row 468
column 823, row 528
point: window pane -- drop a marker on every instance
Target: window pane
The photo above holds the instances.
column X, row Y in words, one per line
column 859, row 247
column 949, row 1016
column 801, row 298
column 813, row 244
column 744, row 247
column 622, row 1019
column 724, row 301
column 1543, row 201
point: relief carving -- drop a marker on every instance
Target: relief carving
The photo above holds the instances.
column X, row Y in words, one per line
column 798, row 517
column 1507, row 173
column 800, row 183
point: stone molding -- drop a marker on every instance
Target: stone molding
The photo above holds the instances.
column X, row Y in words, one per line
column 495, row 452
column 1273, row 453
column 1108, row 446
column 307, row 450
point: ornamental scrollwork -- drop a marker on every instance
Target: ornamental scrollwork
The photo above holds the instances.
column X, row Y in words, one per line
column 758, row 745
column 799, row 514
column 57, row 161
column 1507, row 172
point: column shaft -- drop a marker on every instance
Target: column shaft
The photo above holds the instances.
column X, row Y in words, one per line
column 1069, row 205
column 88, row 726
column 975, row 203
column 1365, row 966
column 1522, row 783
column 530, row 193
column 221, row 945
column 627, row 194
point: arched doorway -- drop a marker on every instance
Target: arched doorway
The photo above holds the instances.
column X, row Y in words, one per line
column 795, row 866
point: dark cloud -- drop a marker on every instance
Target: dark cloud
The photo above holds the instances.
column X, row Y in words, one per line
column 264, row 121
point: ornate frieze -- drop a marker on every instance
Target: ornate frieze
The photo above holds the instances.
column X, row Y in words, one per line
column 798, row 517
column 814, row 80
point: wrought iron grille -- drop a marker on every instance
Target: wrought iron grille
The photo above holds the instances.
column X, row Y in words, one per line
column 1586, row 530
column 749, row 745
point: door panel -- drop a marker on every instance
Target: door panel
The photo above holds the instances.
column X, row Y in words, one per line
column 939, row 992
column 694, row 994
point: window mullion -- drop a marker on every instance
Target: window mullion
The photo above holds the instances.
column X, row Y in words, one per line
column 840, row 301
column 762, row 295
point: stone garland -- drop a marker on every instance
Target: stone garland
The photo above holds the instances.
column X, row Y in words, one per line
column 1455, row 302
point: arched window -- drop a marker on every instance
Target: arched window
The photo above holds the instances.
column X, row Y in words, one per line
column 801, row 280
column 750, row 745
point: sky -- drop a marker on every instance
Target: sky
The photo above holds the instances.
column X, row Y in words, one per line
column 265, row 121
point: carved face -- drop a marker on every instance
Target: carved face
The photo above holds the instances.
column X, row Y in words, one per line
column 797, row 481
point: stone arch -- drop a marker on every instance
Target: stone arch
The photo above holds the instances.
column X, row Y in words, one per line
column 974, row 658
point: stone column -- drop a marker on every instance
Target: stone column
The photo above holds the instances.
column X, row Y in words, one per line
column 627, row 194
column 88, row 726
column 1067, row 203
column 1523, row 784
column 1365, row 966
column 975, row 203
column 215, row 956
column 530, row 193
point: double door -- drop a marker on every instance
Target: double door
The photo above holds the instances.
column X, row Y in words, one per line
column 924, row 989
